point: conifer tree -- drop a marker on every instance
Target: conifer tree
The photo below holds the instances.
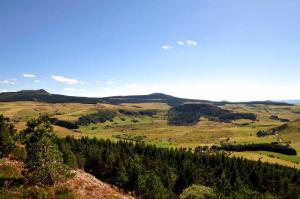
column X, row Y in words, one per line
column 44, row 162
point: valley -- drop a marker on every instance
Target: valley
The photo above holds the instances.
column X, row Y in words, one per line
column 147, row 122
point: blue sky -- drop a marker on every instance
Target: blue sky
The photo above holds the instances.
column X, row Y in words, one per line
column 217, row 50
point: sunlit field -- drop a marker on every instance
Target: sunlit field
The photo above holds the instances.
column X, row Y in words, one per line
column 155, row 130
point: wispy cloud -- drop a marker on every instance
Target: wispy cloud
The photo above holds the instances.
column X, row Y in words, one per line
column 167, row 47
column 181, row 43
column 65, row 80
column 29, row 75
column 189, row 43
column 97, row 82
column 10, row 81
column 111, row 81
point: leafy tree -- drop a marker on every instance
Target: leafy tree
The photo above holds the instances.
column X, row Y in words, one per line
column 44, row 162
column 7, row 136
column 198, row 192
column 150, row 187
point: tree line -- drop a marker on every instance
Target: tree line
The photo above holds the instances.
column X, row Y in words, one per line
column 146, row 170
column 272, row 147
column 153, row 172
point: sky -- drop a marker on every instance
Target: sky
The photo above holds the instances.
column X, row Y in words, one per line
column 216, row 50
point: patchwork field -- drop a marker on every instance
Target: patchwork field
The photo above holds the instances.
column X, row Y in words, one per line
column 154, row 129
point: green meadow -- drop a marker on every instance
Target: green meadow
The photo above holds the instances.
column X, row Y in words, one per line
column 155, row 129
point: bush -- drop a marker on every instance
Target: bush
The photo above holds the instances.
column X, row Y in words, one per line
column 19, row 153
column 128, row 112
column 35, row 192
column 272, row 131
column 63, row 193
column 148, row 112
column 198, row 192
column 275, row 117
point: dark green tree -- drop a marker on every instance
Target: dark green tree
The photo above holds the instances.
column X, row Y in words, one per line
column 44, row 162
column 151, row 187
column 69, row 157
column 7, row 136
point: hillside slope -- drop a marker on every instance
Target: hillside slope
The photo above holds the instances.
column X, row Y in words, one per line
column 81, row 186
column 86, row 186
column 292, row 132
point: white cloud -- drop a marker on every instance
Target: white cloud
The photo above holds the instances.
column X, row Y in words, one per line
column 66, row 80
column 10, row 81
column 181, row 43
column 97, row 82
column 27, row 75
column 191, row 43
column 39, row 81
column 111, row 81
column 3, row 91
column 167, row 47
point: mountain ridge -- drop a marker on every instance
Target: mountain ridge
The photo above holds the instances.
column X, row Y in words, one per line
column 42, row 95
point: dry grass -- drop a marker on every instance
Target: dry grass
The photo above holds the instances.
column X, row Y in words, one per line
column 264, row 158
column 156, row 130
column 86, row 186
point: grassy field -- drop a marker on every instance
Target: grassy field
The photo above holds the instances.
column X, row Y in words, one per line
column 155, row 130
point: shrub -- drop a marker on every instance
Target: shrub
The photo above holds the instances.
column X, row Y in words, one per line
column 63, row 193
column 198, row 192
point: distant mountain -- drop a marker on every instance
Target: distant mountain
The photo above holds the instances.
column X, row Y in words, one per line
column 291, row 101
column 43, row 96
column 154, row 97
column 175, row 101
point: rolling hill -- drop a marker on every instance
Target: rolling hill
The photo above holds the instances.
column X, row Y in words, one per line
column 44, row 96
